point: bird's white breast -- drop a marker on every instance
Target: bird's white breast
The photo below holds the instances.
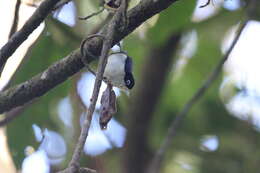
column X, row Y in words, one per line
column 115, row 69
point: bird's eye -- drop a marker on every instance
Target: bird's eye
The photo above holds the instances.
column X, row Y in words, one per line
column 128, row 82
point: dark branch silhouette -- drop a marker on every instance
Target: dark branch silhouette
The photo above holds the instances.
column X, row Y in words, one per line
column 107, row 43
column 20, row 36
column 68, row 66
column 16, row 18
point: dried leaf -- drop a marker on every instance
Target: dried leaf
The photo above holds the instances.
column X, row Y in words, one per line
column 108, row 106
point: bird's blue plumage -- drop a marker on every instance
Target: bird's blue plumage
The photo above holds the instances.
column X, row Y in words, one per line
column 128, row 65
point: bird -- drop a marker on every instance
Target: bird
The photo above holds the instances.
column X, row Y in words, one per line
column 118, row 71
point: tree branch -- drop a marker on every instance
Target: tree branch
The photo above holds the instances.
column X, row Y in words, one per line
column 16, row 18
column 19, row 37
column 66, row 67
column 159, row 156
column 14, row 113
column 107, row 43
column 61, row 4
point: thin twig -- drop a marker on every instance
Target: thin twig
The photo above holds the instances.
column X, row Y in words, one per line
column 12, row 115
column 87, row 170
column 31, row 4
column 107, row 43
column 93, row 14
column 158, row 158
column 20, row 36
column 16, row 18
column 84, row 55
column 82, row 50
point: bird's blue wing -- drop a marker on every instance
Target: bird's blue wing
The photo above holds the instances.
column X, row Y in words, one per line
column 128, row 65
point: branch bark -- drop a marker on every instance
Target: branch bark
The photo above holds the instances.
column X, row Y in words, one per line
column 66, row 67
column 19, row 37
column 107, row 43
column 159, row 156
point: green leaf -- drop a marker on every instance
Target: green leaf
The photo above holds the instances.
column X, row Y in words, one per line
column 172, row 20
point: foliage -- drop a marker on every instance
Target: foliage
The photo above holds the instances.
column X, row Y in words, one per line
column 238, row 140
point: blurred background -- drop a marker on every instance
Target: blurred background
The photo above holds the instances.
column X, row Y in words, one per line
column 221, row 132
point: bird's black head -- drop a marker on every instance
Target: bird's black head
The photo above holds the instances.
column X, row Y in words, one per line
column 129, row 78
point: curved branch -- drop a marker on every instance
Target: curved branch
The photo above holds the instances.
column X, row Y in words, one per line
column 66, row 67
column 107, row 43
column 19, row 37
